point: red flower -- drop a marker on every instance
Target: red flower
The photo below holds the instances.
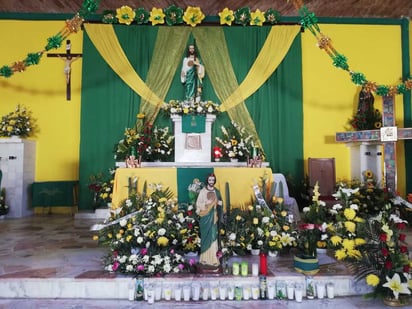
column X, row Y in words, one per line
column 388, row 265
column 404, row 249
column 406, row 268
column 383, row 237
column 385, row 252
column 402, row 237
column 401, row 225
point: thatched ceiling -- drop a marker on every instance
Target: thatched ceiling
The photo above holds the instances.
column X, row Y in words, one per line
column 322, row 8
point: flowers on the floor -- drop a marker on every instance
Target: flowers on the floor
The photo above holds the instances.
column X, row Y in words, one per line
column 148, row 234
column 18, row 122
column 101, row 186
column 176, row 107
column 235, row 141
column 312, row 232
column 256, row 226
column 4, row 208
column 384, row 260
column 374, row 245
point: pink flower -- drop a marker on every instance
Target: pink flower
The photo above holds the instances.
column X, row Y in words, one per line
column 115, row 266
column 143, row 251
column 181, row 266
column 192, row 262
column 140, row 267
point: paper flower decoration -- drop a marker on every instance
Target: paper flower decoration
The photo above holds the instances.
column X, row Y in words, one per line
column 174, row 15
column 226, row 17
column 272, row 16
column 142, row 16
column 257, row 18
column 242, row 16
column 125, row 15
column 193, row 15
column 157, row 16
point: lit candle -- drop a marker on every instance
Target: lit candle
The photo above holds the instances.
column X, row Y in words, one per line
column 263, row 264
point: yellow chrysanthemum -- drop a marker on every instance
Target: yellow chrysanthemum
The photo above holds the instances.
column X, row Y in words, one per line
column 350, row 226
column 162, row 200
column 286, row 227
column 183, row 231
column 349, row 213
column 110, row 235
column 360, row 241
column 257, row 18
column 348, row 244
column 157, row 16
column 353, row 253
column 336, row 240
column 372, row 280
column 129, row 238
column 238, row 218
column 340, row 254
column 280, row 200
column 226, row 17
column 95, row 237
column 119, row 236
column 125, row 15
column 162, row 241
column 359, row 220
column 140, row 116
column 284, row 213
column 255, row 221
column 193, row 15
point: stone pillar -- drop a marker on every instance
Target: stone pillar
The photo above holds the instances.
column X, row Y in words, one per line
column 17, row 163
column 193, row 147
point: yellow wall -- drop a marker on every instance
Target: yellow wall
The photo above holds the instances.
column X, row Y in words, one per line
column 42, row 89
column 329, row 95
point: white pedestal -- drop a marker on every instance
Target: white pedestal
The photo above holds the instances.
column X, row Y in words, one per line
column 17, row 163
column 366, row 156
column 193, row 147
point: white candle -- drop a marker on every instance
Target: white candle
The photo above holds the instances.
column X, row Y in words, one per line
column 222, row 292
column 168, row 292
column 158, row 292
column 196, row 291
column 214, row 292
column 230, row 292
column 246, row 292
column 299, row 292
column 205, row 292
column 186, row 292
column 178, row 293
column 255, row 292
column 320, row 290
column 290, row 290
column 150, row 295
column 131, row 286
column 271, row 291
column 330, row 288
column 255, row 269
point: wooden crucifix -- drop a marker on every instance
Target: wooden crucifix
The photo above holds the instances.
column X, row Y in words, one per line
column 68, row 59
column 388, row 135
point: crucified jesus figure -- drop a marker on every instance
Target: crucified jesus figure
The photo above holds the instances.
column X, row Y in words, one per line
column 68, row 60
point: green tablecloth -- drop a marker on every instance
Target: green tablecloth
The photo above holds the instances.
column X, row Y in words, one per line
column 54, row 193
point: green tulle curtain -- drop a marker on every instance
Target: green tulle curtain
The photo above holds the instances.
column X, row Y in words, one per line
column 109, row 104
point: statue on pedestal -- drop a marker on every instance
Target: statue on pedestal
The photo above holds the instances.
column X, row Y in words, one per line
column 209, row 208
column 192, row 75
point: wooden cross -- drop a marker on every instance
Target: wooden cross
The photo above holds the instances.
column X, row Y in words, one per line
column 388, row 135
column 68, row 58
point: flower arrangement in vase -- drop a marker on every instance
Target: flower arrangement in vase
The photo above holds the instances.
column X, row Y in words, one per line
column 236, row 143
column 176, row 107
column 17, row 123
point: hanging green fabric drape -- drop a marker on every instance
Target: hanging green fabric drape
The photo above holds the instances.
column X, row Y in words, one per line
column 108, row 102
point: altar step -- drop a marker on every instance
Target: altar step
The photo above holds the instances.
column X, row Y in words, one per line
column 56, row 257
column 97, row 284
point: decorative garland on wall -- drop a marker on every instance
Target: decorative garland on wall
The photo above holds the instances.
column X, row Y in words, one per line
column 194, row 16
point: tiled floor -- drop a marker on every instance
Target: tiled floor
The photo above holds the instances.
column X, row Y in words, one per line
column 53, row 247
